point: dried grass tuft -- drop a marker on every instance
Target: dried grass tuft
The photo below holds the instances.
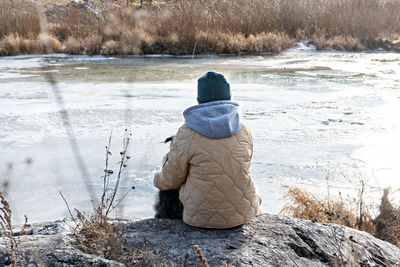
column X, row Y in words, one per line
column 74, row 46
column 55, row 44
column 10, row 45
column 201, row 257
column 301, row 204
column 111, row 48
column 13, row 245
column 347, row 43
column 385, row 226
column 387, row 223
column 94, row 234
column 93, row 44
column 97, row 236
column 19, row 17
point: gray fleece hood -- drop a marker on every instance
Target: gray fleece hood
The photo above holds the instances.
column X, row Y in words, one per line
column 216, row 119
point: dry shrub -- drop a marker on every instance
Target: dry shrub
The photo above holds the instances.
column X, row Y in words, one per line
column 131, row 41
column 211, row 26
column 10, row 45
column 226, row 43
column 267, row 42
column 343, row 43
column 319, row 40
column 307, row 207
column 53, row 42
column 93, row 233
column 72, row 20
column 235, row 43
column 13, row 244
column 14, row 45
column 97, row 236
column 93, row 44
column 347, row 43
column 303, row 206
column 387, row 223
column 60, row 31
column 19, row 17
column 362, row 19
column 127, row 31
column 300, row 34
column 111, row 48
column 74, row 46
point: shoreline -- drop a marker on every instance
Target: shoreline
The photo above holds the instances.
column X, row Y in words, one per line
column 295, row 49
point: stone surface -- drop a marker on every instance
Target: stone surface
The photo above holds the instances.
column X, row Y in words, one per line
column 268, row 240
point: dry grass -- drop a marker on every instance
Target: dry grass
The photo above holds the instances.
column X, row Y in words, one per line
column 13, row 244
column 94, row 234
column 74, row 46
column 210, row 26
column 93, row 44
column 342, row 43
column 352, row 213
column 19, row 17
column 305, row 206
column 213, row 42
column 359, row 19
column 13, row 44
column 388, row 221
column 203, row 260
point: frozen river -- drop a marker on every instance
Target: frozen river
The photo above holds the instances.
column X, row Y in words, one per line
column 316, row 118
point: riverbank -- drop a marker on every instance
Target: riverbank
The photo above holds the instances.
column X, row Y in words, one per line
column 267, row 240
column 180, row 27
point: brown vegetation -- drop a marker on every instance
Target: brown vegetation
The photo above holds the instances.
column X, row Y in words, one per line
column 93, row 233
column 13, row 244
column 19, row 17
column 13, row 45
column 352, row 213
column 195, row 27
column 388, row 221
column 201, row 257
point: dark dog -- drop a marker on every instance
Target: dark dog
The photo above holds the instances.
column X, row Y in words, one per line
column 168, row 205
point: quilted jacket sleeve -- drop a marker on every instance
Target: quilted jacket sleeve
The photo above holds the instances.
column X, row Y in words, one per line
column 174, row 172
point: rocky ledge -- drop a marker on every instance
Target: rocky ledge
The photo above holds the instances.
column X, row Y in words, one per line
column 268, row 240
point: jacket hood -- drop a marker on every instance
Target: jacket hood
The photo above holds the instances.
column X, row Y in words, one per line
column 216, row 119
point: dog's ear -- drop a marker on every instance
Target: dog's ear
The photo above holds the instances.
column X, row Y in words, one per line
column 169, row 139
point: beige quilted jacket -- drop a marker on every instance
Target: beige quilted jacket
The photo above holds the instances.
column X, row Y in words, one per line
column 216, row 188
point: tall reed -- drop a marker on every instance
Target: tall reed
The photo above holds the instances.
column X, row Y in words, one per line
column 206, row 26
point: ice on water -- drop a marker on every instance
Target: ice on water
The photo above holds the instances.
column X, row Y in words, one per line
column 314, row 116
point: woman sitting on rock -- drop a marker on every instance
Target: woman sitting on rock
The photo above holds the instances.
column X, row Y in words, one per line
column 209, row 160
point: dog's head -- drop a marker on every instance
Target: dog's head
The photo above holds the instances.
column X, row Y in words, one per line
column 169, row 139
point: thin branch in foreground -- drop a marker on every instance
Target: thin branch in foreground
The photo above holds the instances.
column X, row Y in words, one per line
column 107, row 173
column 122, row 166
column 12, row 244
column 66, row 203
column 122, row 198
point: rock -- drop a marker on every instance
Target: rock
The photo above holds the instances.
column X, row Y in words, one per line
column 5, row 256
column 49, row 244
column 268, row 240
